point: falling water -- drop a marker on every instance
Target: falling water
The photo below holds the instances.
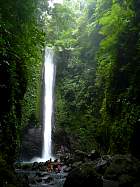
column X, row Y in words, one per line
column 49, row 79
column 49, row 75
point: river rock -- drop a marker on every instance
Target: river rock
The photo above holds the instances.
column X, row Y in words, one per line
column 110, row 183
column 85, row 175
column 47, row 179
column 76, row 164
column 124, row 169
column 93, row 155
column 102, row 163
column 101, row 166
column 67, row 169
column 80, row 155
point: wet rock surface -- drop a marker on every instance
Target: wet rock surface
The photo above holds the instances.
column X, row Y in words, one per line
column 85, row 175
column 37, row 175
column 31, row 141
column 124, row 170
column 102, row 171
column 39, row 179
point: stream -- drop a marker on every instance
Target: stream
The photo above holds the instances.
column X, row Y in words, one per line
column 42, row 178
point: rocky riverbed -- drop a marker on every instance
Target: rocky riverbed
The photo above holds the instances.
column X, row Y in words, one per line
column 82, row 169
column 39, row 177
column 42, row 179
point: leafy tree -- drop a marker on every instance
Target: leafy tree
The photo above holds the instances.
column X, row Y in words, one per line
column 97, row 88
column 21, row 58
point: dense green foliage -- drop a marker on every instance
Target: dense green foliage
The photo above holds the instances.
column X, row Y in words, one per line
column 97, row 92
column 97, row 43
column 22, row 41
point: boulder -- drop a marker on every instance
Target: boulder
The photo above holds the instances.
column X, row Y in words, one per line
column 84, row 175
column 80, row 155
column 124, row 169
column 93, row 155
column 76, row 164
column 102, row 163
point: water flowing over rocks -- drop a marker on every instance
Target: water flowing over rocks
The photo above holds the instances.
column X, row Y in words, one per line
column 37, row 175
column 82, row 169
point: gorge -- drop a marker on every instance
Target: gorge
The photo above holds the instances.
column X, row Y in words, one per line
column 97, row 88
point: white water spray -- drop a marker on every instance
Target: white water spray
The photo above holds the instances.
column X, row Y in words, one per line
column 49, row 76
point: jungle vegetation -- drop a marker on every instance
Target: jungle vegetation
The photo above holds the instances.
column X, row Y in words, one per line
column 97, row 93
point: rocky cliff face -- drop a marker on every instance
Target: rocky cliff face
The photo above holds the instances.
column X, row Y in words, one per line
column 31, row 143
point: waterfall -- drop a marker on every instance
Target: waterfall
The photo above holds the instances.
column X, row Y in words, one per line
column 49, row 77
column 49, row 80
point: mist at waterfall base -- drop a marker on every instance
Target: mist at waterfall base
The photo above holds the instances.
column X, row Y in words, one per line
column 49, row 78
